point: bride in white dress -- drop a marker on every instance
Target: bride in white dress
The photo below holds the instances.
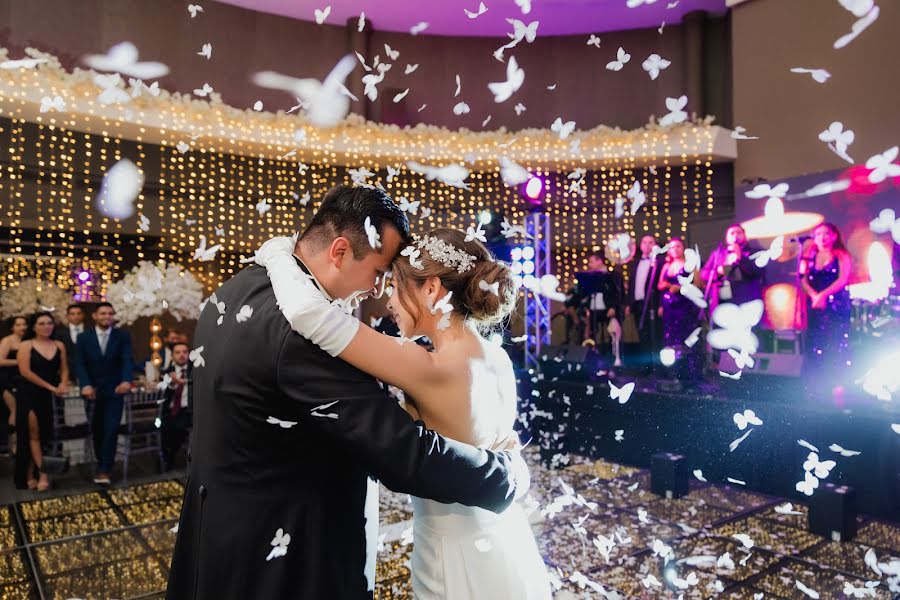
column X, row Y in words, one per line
column 445, row 288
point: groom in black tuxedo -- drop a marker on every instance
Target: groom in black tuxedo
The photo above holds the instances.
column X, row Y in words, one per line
column 286, row 436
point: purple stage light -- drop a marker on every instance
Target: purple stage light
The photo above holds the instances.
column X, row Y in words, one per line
column 534, row 187
column 84, row 276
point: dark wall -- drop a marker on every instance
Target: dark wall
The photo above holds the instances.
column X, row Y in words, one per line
column 788, row 110
column 245, row 41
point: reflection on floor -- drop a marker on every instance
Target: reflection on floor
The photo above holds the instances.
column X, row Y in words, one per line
column 118, row 543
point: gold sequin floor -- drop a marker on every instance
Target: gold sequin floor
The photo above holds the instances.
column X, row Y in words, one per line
column 118, row 543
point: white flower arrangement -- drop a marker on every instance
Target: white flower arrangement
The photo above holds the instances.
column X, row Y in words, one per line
column 150, row 289
column 32, row 295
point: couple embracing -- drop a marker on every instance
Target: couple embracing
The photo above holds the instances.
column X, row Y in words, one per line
column 291, row 424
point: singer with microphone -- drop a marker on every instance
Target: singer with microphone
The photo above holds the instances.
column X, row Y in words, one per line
column 824, row 273
column 730, row 274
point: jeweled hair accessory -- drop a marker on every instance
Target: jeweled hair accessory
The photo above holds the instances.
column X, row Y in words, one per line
column 447, row 254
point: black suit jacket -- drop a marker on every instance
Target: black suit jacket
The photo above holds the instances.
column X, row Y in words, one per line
column 64, row 335
column 104, row 371
column 652, row 280
column 305, row 474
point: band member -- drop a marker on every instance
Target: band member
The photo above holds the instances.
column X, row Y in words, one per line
column 642, row 300
column 730, row 274
column 600, row 293
column 679, row 314
column 824, row 273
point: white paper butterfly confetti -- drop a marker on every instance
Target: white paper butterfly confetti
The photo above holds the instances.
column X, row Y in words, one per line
column 326, row 104
column 748, row 417
column 739, row 133
column 563, row 130
column 413, row 253
column 280, row 544
column 194, row 9
column 321, row 14
column 806, row 590
column 637, row 197
column 121, row 185
column 676, row 114
column 622, row 59
column 774, row 252
column 453, row 174
column 407, row 206
column 52, row 103
column 736, row 326
column 474, row 15
column 123, row 58
column 206, row 51
column 809, row 484
column 493, row 288
column 283, row 424
column 883, row 165
column 654, row 64
column 820, row 469
column 202, row 253
column 372, row 234
column 838, row 139
column 818, row 75
column 843, row 451
column 244, row 314
column 860, row 25
column 593, row 41
column 515, row 77
column 512, row 173
column 622, row 394
column 476, row 233
column 445, row 308
column 196, row 357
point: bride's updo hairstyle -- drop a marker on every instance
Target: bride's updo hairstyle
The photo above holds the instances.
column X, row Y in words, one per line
column 462, row 267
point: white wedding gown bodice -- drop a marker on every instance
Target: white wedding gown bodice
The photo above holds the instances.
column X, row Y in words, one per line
column 468, row 553
column 459, row 552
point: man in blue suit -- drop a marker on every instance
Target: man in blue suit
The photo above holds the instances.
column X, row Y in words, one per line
column 104, row 367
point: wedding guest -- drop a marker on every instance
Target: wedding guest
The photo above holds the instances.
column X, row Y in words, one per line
column 824, row 274
column 9, row 373
column 69, row 332
column 679, row 315
column 104, row 374
column 45, row 373
column 176, row 410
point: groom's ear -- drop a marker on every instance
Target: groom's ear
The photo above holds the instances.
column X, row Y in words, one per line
column 339, row 251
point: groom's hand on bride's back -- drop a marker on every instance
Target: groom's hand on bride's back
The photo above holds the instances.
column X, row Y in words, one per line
column 511, row 445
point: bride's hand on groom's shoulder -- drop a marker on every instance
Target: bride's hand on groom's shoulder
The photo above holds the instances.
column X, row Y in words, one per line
column 273, row 247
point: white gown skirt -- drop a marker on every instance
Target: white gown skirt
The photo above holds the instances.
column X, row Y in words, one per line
column 466, row 553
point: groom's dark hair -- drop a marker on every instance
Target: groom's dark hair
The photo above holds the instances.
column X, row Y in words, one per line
column 343, row 213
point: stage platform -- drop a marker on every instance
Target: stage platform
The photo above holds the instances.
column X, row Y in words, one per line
column 578, row 416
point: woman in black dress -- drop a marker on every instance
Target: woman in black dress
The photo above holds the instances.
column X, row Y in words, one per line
column 825, row 272
column 45, row 372
column 680, row 316
column 9, row 372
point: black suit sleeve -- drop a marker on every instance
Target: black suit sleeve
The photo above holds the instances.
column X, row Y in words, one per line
column 84, row 377
column 349, row 406
column 748, row 267
column 127, row 358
